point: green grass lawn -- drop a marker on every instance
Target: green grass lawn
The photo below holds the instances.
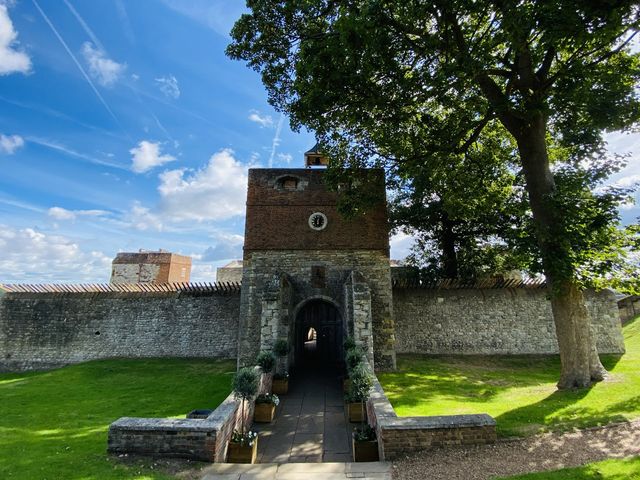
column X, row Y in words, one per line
column 625, row 469
column 519, row 392
column 53, row 425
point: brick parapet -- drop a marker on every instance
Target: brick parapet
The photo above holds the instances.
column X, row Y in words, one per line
column 195, row 439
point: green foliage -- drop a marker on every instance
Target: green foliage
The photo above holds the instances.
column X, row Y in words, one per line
column 245, row 387
column 519, row 392
column 353, row 358
column 431, row 90
column 266, row 361
column 281, row 347
column 54, row 423
column 270, row 398
column 349, row 343
column 361, row 383
column 364, row 433
column 245, row 383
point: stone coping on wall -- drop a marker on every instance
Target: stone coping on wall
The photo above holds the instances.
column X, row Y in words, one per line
column 126, row 288
column 401, row 435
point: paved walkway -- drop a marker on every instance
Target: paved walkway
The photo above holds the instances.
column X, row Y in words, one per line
column 310, row 423
column 299, row 471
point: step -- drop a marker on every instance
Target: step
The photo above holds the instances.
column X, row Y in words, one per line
column 296, row 471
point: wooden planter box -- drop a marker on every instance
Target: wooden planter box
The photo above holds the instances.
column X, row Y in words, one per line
column 264, row 412
column 365, row 451
column 280, row 386
column 242, row 453
column 356, row 412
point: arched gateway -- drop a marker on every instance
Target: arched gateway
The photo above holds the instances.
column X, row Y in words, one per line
column 319, row 335
column 312, row 276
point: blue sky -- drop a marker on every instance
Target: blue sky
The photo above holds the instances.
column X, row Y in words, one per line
column 124, row 126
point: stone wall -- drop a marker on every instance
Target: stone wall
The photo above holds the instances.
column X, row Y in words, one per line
column 258, row 278
column 44, row 330
column 492, row 321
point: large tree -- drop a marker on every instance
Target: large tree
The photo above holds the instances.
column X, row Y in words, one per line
column 369, row 76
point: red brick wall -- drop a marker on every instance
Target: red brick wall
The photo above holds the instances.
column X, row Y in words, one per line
column 277, row 219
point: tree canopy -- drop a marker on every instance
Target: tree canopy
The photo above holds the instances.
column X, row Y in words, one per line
column 416, row 83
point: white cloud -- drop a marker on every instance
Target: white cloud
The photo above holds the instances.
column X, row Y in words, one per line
column 169, row 86
column 10, row 143
column 147, row 156
column 11, row 60
column 28, row 255
column 285, row 158
column 215, row 192
column 142, row 218
column 626, row 182
column 262, row 120
column 60, row 213
column 400, row 245
column 104, row 70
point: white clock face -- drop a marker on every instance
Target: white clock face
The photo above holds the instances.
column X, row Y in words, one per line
column 318, row 221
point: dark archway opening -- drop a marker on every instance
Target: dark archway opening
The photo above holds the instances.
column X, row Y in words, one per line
column 319, row 335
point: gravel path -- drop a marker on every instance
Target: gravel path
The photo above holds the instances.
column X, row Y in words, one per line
column 510, row 457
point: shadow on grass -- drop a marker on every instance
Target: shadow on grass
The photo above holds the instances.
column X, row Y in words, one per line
column 421, row 379
column 558, row 411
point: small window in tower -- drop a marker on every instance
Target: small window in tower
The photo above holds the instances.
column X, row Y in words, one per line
column 290, row 183
column 318, row 277
column 183, row 272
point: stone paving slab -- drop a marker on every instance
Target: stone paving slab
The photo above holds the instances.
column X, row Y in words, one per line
column 297, row 471
column 310, row 423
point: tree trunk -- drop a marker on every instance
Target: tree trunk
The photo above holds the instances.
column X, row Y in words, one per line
column 578, row 353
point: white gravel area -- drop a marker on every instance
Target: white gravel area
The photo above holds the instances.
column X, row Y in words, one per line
column 533, row 454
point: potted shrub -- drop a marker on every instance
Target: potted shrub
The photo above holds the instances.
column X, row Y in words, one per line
column 243, row 446
column 358, row 393
column 352, row 358
column 266, row 361
column 280, row 384
column 365, row 444
column 265, row 408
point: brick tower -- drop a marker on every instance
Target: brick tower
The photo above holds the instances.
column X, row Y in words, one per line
column 310, row 275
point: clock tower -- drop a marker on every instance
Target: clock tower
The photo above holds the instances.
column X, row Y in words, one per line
column 308, row 271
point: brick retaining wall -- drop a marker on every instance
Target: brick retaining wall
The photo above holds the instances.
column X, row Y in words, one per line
column 404, row 435
column 197, row 439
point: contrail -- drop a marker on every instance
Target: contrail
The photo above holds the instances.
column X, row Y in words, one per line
column 75, row 60
column 276, row 140
column 85, row 27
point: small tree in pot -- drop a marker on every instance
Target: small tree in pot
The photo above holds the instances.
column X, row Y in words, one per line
column 352, row 358
column 358, row 393
column 365, row 445
column 281, row 378
column 266, row 361
column 243, row 447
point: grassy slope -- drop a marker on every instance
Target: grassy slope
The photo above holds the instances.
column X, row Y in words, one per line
column 519, row 392
column 626, row 469
column 53, row 425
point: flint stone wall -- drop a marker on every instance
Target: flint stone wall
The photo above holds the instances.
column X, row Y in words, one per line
column 258, row 276
column 46, row 330
column 493, row 321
